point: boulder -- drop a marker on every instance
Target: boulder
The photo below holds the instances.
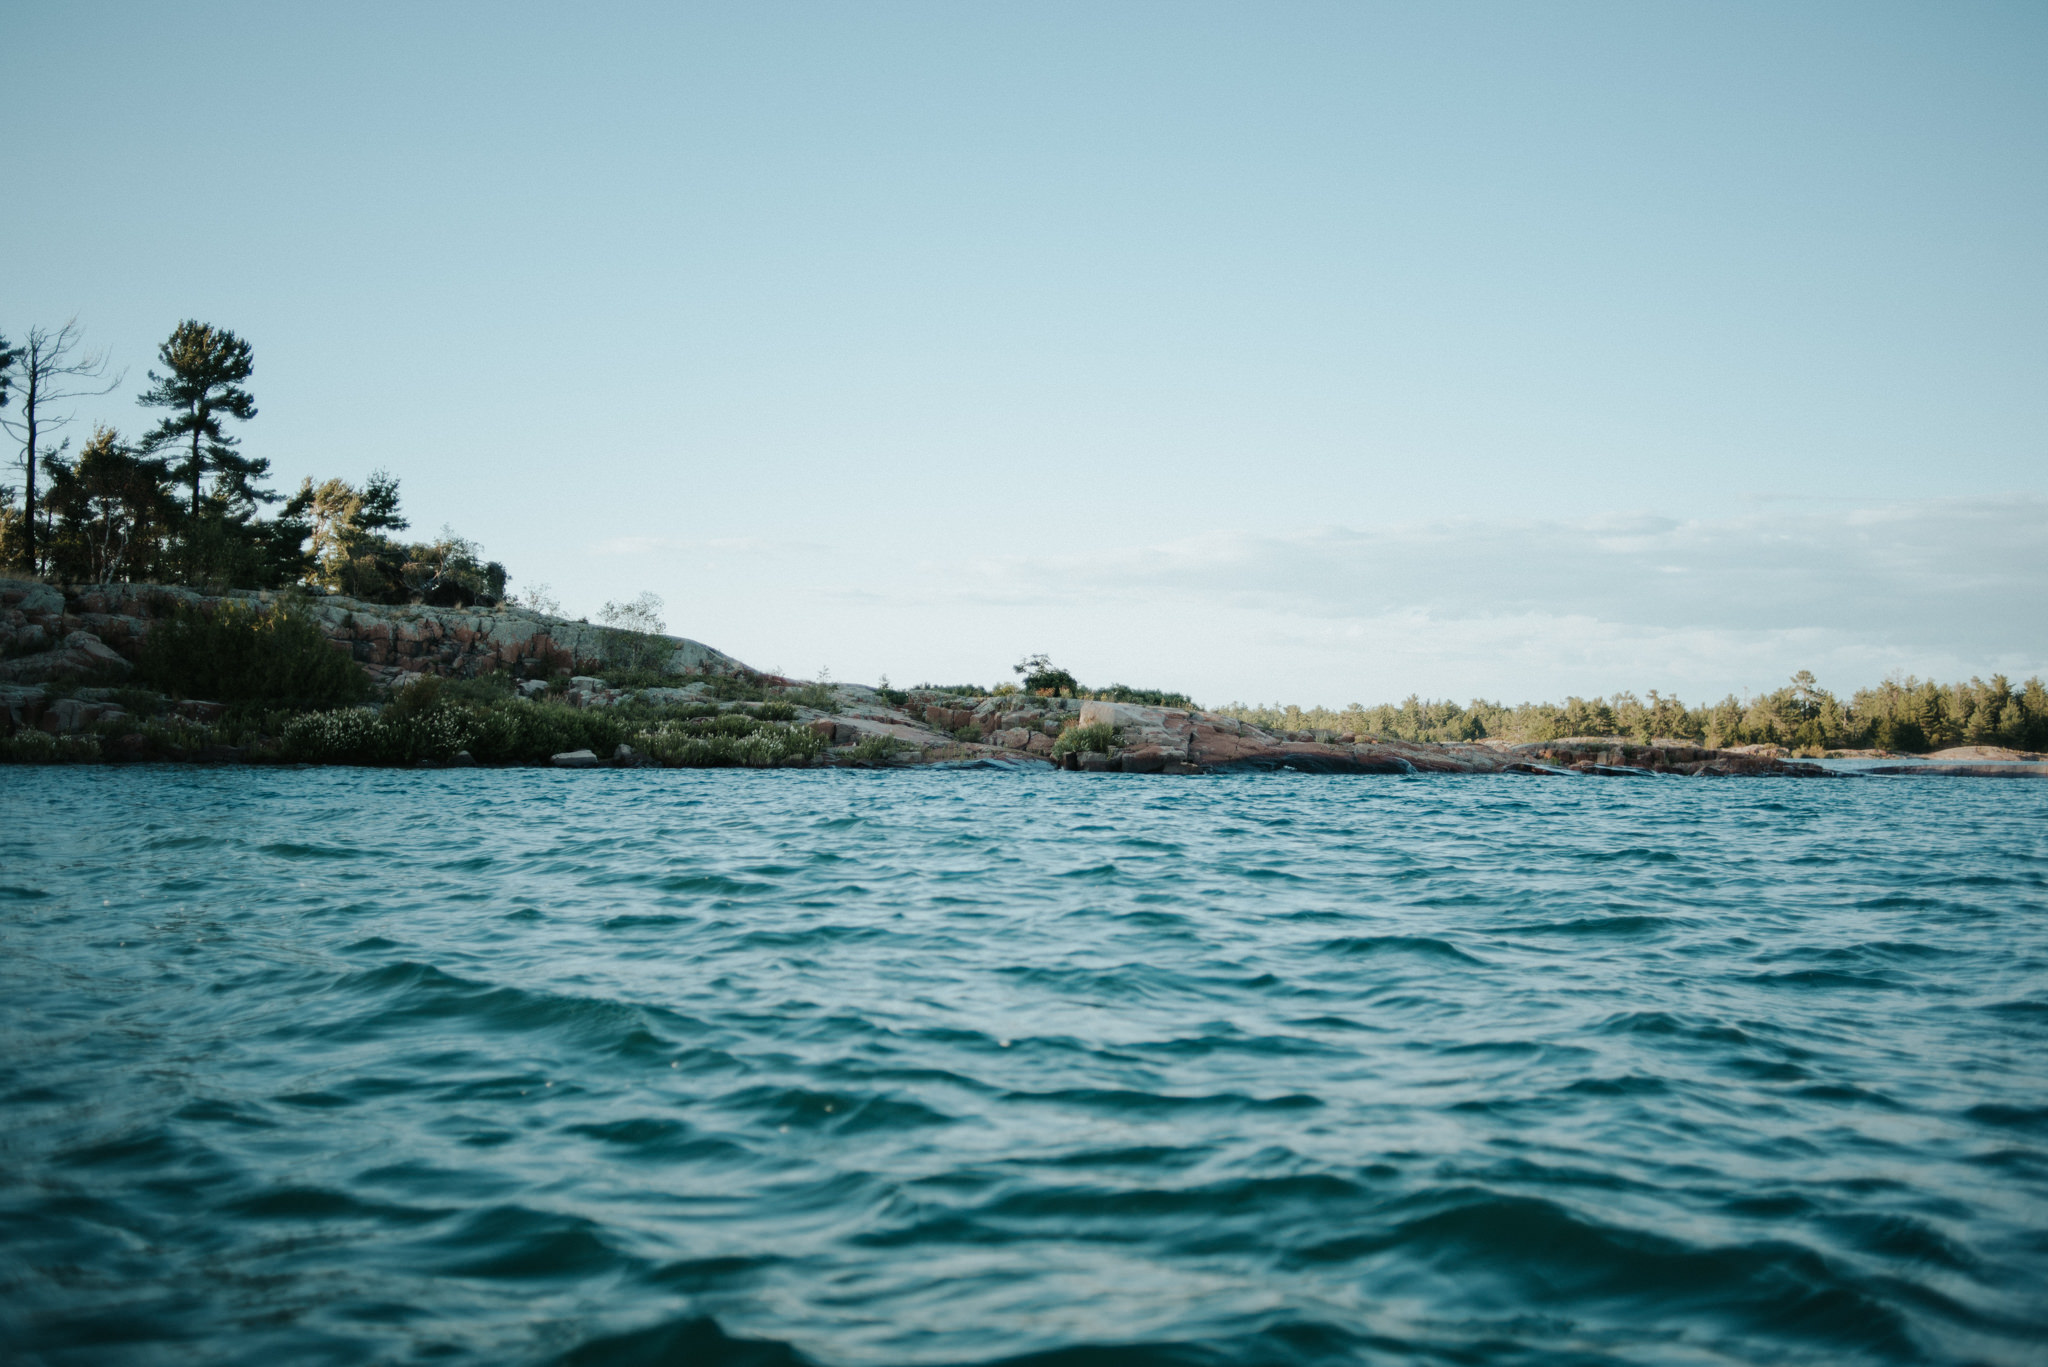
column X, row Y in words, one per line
column 1016, row 738
column 574, row 759
column 82, row 654
column 21, row 703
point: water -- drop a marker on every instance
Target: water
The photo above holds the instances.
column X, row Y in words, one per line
column 338, row 1066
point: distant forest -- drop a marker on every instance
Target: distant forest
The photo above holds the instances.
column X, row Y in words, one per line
column 181, row 503
column 1906, row 714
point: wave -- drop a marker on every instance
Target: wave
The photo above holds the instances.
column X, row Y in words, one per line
column 1356, row 946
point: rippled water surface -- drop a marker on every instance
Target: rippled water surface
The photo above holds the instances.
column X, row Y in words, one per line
column 851, row 1068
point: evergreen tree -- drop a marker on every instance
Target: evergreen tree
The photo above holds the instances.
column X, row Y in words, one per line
column 8, row 356
column 114, row 511
column 206, row 366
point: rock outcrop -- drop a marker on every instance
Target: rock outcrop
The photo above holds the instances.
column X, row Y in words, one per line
column 1163, row 740
column 96, row 632
column 92, row 635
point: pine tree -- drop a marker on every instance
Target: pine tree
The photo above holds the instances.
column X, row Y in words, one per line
column 206, row 366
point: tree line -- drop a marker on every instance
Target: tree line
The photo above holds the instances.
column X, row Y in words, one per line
column 1906, row 714
column 181, row 502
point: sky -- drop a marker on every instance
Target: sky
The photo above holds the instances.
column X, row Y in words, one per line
column 1314, row 353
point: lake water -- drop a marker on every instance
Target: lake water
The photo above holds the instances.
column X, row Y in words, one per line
column 338, row 1066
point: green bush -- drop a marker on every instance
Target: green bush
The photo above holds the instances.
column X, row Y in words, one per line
column 635, row 652
column 1100, row 736
column 696, row 745
column 522, row 732
column 1145, row 697
column 495, row 687
column 734, row 687
column 876, row 749
column 817, row 697
column 138, row 702
column 240, row 654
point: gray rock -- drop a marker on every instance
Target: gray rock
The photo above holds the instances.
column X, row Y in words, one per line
column 462, row 759
column 574, row 759
column 672, row 697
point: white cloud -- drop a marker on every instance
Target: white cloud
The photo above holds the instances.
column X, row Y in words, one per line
column 1512, row 609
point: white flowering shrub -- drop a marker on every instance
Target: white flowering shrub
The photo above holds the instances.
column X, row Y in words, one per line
column 348, row 736
column 40, row 747
column 434, row 734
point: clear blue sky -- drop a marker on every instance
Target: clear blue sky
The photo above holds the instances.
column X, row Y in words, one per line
column 1321, row 352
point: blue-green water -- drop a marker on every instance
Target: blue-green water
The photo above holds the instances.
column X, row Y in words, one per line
column 634, row 1067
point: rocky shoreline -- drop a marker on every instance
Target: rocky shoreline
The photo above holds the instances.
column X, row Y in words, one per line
column 65, row 654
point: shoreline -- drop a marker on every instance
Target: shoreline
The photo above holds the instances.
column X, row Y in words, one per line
column 523, row 690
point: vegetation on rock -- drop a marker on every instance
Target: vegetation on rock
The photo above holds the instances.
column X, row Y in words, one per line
column 238, row 653
column 1100, row 736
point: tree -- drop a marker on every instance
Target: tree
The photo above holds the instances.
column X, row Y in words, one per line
column 206, row 366
column 8, row 356
column 47, row 368
column 1041, row 673
column 642, row 614
column 347, row 525
column 114, row 509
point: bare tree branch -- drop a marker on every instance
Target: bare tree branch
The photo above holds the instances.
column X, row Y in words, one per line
column 49, row 369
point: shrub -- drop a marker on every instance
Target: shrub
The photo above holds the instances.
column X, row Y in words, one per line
column 1100, row 736
column 1038, row 674
column 433, row 733
column 876, row 749
column 1146, row 697
column 522, row 732
column 40, row 747
column 240, row 654
column 495, row 687
column 138, row 702
column 697, row 745
column 771, row 711
column 817, row 697
column 350, row 735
